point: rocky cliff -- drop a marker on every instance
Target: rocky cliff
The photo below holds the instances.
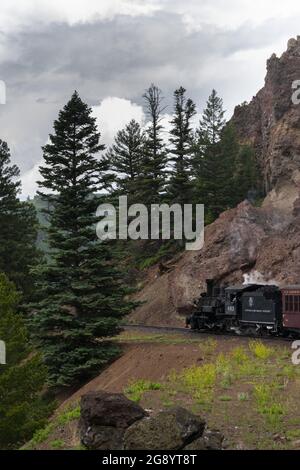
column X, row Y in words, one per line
column 271, row 122
column 247, row 240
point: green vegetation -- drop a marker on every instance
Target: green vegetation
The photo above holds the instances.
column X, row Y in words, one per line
column 68, row 415
column 260, row 350
column 80, row 294
column 18, row 222
column 60, row 421
column 57, row 444
column 225, row 171
column 22, row 406
column 131, row 337
column 208, row 346
column 251, row 386
column 136, row 390
column 180, row 187
column 75, row 292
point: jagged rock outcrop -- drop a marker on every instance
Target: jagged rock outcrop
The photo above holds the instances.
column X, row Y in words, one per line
column 112, row 422
column 271, row 122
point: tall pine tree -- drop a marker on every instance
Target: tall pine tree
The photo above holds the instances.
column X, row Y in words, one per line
column 81, row 296
column 153, row 170
column 207, row 157
column 124, row 159
column 18, row 232
column 181, row 149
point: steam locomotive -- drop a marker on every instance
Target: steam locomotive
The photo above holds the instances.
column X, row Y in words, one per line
column 248, row 310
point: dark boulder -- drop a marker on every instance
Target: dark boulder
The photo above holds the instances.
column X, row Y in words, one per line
column 211, row 440
column 168, row 430
column 104, row 419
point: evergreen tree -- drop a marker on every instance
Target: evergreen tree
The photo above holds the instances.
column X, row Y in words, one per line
column 181, row 140
column 22, row 407
column 153, row 171
column 81, row 297
column 226, row 192
column 212, row 122
column 124, row 159
column 19, row 226
column 207, row 156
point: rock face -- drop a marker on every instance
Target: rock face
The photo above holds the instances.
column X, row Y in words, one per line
column 112, row 422
column 271, row 122
column 104, row 419
column 168, row 430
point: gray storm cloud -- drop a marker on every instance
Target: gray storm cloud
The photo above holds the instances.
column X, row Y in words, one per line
column 119, row 56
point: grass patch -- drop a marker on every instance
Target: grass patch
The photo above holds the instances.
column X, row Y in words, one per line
column 57, row 444
column 136, row 390
column 131, row 337
column 225, row 398
column 293, row 434
column 68, row 416
column 40, row 436
column 208, row 347
column 199, row 381
column 243, row 396
column 260, row 350
column 267, row 405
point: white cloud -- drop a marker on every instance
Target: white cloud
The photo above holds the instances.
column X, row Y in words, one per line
column 229, row 14
column 16, row 14
column 113, row 114
column 224, row 13
column 29, row 181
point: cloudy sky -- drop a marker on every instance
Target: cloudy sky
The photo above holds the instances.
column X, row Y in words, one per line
column 111, row 50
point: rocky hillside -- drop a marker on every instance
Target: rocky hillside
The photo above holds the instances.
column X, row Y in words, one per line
column 247, row 240
column 271, row 122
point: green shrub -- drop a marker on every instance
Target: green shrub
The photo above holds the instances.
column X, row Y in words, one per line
column 260, row 350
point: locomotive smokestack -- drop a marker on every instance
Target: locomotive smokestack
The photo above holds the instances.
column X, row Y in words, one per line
column 210, row 286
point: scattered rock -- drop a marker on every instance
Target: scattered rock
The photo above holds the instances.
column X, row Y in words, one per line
column 110, row 409
column 104, row 419
column 102, row 437
column 296, row 444
column 168, row 430
column 211, row 440
column 112, row 422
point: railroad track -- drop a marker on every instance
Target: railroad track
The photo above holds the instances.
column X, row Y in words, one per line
column 189, row 332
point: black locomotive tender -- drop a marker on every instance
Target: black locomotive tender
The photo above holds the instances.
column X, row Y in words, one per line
column 249, row 309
